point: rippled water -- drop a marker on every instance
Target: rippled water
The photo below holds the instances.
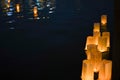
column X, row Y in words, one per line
column 40, row 38
column 25, row 9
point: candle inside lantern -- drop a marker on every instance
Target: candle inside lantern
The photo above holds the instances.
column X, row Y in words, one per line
column 18, row 8
column 35, row 11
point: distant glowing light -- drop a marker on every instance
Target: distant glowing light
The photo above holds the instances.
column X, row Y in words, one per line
column 9, row 1
column 18, row 8
column 35, row 11
column 104, row 19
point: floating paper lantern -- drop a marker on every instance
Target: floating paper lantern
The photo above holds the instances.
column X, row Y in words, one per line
column 18, row 8
column 96, row 27
column 90, row 40
column 102, row 44
column 104, row 19
column 35, row 11
column 107, row 35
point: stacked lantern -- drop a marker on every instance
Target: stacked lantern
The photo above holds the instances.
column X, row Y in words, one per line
column 95, row 67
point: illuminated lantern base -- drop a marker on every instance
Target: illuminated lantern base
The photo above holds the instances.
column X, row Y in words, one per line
column 87, row 70
column 105, row 70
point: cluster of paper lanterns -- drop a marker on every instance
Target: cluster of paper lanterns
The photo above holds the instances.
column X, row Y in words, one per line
column 95, row 67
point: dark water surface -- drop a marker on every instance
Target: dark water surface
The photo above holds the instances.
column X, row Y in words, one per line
column 51, row 47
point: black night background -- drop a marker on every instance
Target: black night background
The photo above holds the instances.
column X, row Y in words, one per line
column 52, row 46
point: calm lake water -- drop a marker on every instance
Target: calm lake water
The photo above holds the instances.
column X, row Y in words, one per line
column 46, row 38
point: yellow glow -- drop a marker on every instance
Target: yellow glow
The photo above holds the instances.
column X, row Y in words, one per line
column 107, row 35
column 96, row 35
column 90, row 40
column 8, row 5
column 105, row 71
column 102, row 44
column 96, row 27
column 35, row 11
column 104, row 19
column 87, row 70
column 17, row 7
column 9, row 1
